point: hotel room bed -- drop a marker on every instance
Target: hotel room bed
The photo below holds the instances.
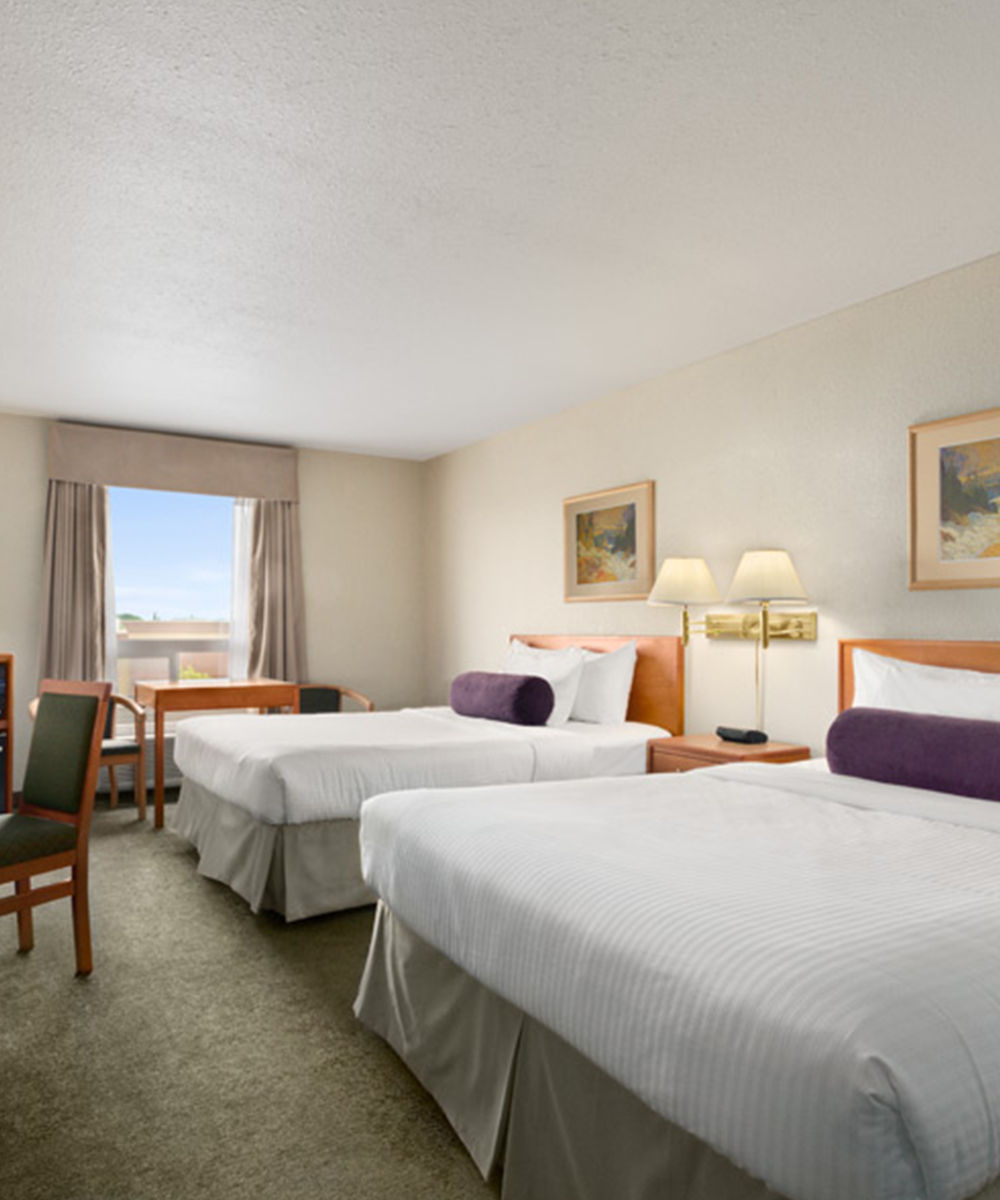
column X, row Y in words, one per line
column 745, row 982
column 271, row 803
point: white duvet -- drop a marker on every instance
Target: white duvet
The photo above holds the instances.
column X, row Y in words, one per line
column 287, row 770
column 801, row 969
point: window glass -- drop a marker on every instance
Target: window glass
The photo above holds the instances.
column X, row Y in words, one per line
column 172, row 563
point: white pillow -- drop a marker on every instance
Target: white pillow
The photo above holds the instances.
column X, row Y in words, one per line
column 881, row 682
column 562, row 668
column 605, row 685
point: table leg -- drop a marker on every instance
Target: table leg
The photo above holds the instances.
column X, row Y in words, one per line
column 158, row 750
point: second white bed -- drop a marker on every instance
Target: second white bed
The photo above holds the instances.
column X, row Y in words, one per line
column 271, row 803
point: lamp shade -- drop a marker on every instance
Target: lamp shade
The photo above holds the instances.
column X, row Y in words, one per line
column 765, row 575
column 684, row 581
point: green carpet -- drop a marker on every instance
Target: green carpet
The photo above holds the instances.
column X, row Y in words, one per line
column 212, row 1053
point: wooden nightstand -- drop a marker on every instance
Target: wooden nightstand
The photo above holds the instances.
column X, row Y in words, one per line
column 706, row 750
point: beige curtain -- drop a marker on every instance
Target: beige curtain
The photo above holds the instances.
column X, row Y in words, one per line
column 74, row 613
column 277, row 639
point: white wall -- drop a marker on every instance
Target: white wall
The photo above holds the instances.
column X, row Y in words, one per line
column 798, row 441
column 22, row 531
column 362, row 530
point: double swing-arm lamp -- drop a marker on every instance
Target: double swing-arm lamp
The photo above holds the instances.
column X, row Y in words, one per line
column 763, row 577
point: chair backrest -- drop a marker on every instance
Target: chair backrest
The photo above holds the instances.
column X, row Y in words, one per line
column 65, row 748
column 316, row 698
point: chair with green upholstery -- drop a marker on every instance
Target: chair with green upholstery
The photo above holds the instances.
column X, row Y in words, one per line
column 126, row 751
column 322, row 698
column 51, row 828
column 118, row 751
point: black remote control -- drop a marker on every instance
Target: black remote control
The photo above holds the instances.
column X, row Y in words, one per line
column 750, row 737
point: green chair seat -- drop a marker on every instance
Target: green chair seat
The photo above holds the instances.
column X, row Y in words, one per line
column 24, row 838
column 112, row 746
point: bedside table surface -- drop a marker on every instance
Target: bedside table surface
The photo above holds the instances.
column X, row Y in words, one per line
column 707, row 748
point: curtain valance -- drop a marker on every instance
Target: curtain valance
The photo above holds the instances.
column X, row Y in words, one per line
column 171, row 463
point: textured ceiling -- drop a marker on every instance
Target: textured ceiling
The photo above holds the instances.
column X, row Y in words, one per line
column 400, row 227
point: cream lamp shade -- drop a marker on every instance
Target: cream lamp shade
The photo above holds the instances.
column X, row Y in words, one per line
column 684, row 581
column 765, row 575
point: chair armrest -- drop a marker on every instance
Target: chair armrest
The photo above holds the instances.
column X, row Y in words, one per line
column 367, row 704
column 137, row 711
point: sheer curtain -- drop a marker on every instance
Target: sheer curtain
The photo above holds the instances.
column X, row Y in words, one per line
column 277, row 640
column 110, row 607
column 75, row 633
column 239, row 619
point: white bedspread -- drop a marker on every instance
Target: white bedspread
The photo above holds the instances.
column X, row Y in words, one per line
column 286, row 770
column 799, row 968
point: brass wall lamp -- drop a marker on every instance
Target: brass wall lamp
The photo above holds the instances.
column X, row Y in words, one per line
column 763, row 577
column 685, row 581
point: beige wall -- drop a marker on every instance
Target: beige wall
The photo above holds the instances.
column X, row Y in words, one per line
column 362, row 525
column 361, row 531
column 796, row 441
column 22, row 528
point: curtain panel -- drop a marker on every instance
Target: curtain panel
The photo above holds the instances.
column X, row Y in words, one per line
column 75, row 627
column 277, row 635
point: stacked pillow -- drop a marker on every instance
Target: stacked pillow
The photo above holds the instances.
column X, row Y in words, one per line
column 935, row 728
column 562, row 668
column 881, row 682
column 588, row 686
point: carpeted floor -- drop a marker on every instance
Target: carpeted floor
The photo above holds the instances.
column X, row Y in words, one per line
column 212, row 1053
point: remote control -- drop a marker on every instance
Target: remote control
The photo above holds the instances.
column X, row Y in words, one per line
column 751, row 737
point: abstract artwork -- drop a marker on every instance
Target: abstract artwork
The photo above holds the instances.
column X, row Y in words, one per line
column 608, row 547
column 970, row 488
column 955, row 502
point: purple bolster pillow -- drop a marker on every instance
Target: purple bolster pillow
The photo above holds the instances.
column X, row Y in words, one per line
column 517, row 699
column 939, row 754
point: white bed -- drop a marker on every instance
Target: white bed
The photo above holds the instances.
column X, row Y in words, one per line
column 271, row 803
column 745, row 982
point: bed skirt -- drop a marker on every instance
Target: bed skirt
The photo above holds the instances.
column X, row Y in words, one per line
column 295, row 870
column 520, row 1098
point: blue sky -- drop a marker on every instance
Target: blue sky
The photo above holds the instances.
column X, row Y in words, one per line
column 172, row 554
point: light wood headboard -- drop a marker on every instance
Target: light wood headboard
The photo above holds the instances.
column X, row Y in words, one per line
column 964, row 656
column 658, row 684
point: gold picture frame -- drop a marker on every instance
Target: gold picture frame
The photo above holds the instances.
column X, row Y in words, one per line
column 954, row 536
column 608, row 543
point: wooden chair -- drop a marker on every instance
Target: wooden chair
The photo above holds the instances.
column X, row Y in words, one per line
column 122, row 752
column 51, row 828
column 320, row 698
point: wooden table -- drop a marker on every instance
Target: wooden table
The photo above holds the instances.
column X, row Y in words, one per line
column 193, row 695
column 669, row 755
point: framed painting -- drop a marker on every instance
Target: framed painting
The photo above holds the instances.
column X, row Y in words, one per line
column 608, row 544
column 955, row 502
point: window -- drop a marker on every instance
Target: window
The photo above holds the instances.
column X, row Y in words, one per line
column 172, row 555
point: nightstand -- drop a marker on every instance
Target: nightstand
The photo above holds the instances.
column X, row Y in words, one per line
column 706, row 750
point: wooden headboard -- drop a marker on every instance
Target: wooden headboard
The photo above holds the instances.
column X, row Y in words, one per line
column 964, row 656
column 658, row 684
